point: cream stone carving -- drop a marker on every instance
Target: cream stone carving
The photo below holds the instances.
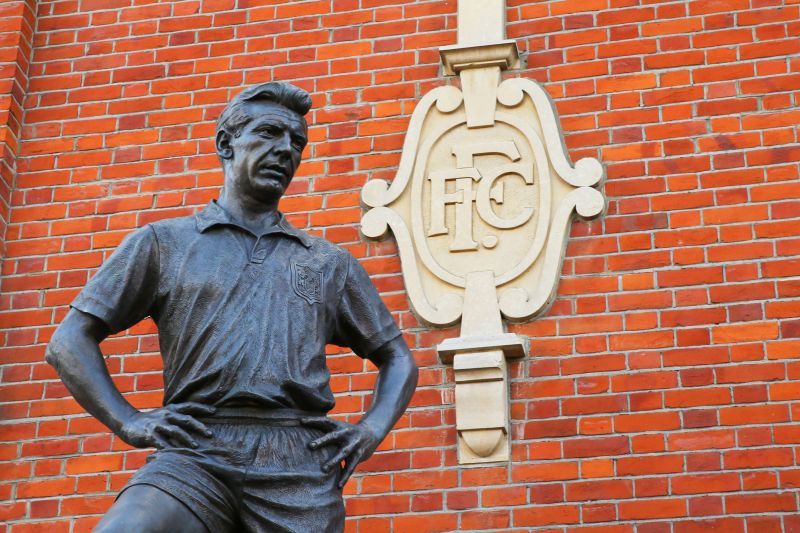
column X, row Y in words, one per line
column 481, row 208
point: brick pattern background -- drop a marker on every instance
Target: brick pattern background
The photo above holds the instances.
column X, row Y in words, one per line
column 17, row 19
column 661, row 393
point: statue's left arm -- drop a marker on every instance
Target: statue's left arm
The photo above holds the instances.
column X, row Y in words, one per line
column 354, row 443
column 364, row 324
column 397, row 379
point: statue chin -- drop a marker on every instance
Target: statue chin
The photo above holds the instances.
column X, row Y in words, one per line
column 266, row 189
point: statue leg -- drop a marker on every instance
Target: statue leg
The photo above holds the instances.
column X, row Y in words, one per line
column 148, row 509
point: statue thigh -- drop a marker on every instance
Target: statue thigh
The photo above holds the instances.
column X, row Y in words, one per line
column 148, row 509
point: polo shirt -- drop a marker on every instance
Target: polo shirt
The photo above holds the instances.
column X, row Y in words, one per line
column 243, row 318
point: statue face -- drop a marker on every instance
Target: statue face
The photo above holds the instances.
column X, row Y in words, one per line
column 266, row 154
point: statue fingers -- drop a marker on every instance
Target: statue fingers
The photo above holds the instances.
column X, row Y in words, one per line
column 190, row 423
column 193, row 408
column 339, row 456
column 177, row 434
column 349, row 467
column 158, row 442
column 328, row 438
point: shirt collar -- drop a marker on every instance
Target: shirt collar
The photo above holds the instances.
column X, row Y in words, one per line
column 214, row 214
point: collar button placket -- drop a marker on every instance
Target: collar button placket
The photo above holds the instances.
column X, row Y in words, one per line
column 259, row 252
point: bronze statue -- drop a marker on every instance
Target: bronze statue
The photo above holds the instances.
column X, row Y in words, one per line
column 245, row 304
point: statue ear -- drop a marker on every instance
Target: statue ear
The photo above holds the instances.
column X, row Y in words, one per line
column 223, row 142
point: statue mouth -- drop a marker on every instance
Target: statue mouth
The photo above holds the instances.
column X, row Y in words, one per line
column 273, row 170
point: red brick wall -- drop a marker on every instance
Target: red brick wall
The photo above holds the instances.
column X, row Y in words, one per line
column 661, row 390
column 17, row 20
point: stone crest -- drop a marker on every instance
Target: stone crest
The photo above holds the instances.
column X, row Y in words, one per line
column 481, row 208
column 307, row 282
column 495, row 197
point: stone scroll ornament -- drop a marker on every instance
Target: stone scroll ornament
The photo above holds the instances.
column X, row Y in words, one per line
column 481, row 209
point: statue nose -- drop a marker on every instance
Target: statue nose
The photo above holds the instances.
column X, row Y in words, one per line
column 282, row 144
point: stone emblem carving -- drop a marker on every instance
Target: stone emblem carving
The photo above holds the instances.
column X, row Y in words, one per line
column 481, row 208
column 482, row 199
column 307, row 282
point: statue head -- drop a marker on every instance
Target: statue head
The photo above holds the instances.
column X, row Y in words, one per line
column 260, row 137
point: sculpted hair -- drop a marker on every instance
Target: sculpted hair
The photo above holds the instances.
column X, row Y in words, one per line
column 235, row 116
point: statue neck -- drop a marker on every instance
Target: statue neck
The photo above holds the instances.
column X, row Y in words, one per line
column 255, row 216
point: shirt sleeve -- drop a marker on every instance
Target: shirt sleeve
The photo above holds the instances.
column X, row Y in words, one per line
column 362, row 323
column 123, row 291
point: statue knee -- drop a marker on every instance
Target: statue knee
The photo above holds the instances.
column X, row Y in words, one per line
column 148, row 509
column 110, row 524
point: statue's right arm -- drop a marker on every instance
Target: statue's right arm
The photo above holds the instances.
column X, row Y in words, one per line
column 74, row 351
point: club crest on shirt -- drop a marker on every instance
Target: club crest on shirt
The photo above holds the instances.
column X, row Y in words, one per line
column 307, row 282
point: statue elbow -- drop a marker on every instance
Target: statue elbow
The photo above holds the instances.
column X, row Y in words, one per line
column 413, row 368
column 62, row 344
column 53, row 354
column 57, row 350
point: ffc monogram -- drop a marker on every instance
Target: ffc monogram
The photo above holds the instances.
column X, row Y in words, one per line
column 471, row 186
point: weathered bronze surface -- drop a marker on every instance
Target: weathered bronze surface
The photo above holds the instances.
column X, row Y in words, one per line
column 245, row 304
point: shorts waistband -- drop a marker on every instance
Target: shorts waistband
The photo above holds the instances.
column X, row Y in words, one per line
column 259, row 416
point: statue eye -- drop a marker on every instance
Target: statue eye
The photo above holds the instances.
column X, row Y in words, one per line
column 268, row 132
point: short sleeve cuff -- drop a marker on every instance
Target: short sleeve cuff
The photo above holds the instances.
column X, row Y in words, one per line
column 367, row 347
column 91, row 306
column 123, row 289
